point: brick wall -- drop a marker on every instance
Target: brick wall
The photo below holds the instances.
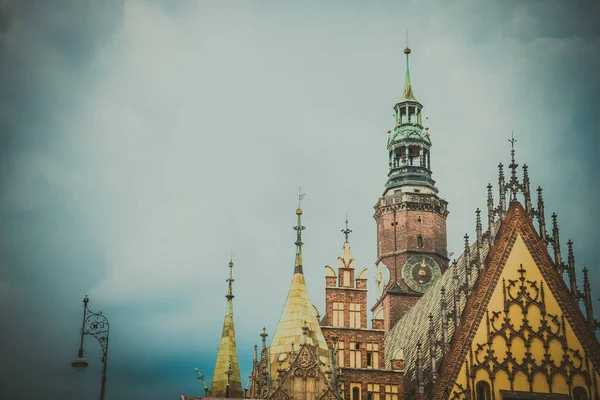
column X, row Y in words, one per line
column 401, row 235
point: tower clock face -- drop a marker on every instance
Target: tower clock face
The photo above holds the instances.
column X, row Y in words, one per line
column 420, row 272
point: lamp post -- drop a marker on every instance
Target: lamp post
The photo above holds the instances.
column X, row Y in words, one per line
column 94, row 324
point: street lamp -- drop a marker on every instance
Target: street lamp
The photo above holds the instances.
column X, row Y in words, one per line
column 94, row 324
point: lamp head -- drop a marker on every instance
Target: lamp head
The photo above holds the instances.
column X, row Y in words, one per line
column 79, row 364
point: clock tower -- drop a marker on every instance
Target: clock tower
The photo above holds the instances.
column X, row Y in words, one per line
column 411, row 217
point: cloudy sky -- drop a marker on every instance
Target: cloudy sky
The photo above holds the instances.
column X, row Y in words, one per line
column 142, row 142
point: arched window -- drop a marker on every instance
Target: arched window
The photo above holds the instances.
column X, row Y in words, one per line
column 419, row 241
column 483, row 390
column 579, row 393
column 355, row 393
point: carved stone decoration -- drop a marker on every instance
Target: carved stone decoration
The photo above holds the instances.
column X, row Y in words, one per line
column 516, row 223
column 304, row 371
column 527, row 296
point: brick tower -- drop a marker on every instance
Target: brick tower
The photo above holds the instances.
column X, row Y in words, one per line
column 411, row 218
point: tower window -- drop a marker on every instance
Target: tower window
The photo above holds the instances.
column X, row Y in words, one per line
column 338, row 314
column 355, row 315
column 419, row 218
column 355, row 393
column 419, row 241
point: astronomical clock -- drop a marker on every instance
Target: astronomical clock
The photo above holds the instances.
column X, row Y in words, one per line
column 420, row 272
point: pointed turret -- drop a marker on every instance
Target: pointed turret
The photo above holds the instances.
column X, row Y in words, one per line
column 227, row 381
column 298, row 309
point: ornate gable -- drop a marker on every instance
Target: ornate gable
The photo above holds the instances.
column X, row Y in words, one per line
column 521, row 330
column 304, row 378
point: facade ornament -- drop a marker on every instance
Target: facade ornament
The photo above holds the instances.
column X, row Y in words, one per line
column 556, row 243
column 478, row 232
column 502, row 191
column 444, row 309
column 456, row 284
column 467, row 257
column 526, row 190
column 491, row 214
column 571, row 271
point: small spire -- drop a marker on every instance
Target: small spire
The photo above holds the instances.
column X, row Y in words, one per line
column 444, row 309
column 491, row 213
column 540, row 215
column 346, row 231
column 299, row 228
column 432, row 348
column 556, row 243
column 587, row 299
column 420, row 380
column 478, row 231
column 408, row 94
column 230, row 279
column 526, row 191
column 456, row 285
column 501, row 190
column 514, row 182
column 571, row 270
column 467, row 257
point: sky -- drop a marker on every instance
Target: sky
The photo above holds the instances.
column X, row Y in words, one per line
column 143, row 142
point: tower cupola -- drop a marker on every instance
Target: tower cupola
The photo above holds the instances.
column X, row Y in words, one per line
column 409, row 144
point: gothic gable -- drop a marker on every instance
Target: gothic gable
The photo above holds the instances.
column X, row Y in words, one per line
column 521, row 330
column 304, row 378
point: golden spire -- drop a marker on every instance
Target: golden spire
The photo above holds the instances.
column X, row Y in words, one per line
column 227, row 381
column 408, row 94
column 297, row 311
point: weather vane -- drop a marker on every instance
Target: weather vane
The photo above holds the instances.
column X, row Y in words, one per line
column 512, row 139
column 346, row 231
column 300, row 196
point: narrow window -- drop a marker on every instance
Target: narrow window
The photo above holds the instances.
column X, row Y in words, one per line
column 354, row 315
column 355, row 393
column 483, row 391
column 338, row 314
column 579, row 393
column 340, row 354
column 419, row 218
column 419, row 241
column 355, row 355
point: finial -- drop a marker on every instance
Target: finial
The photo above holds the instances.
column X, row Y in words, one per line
column 444, row 309
column 556, row 243
column 501, row 191
column 299, row 228
column 526, row 191
column 230, row 279
column 408, row 94
column 571, row 271
column 540, row 216
column 467, row 257
column 491, row 214
column 587, row 299
column 514, row 185
column 346, row 231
